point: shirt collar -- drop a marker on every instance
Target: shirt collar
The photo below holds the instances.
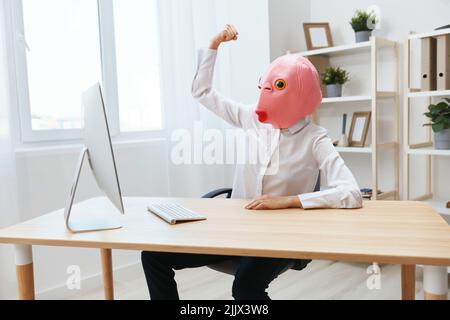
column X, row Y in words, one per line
column 299, row 126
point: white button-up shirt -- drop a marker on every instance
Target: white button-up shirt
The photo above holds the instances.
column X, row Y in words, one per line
column 294, row 156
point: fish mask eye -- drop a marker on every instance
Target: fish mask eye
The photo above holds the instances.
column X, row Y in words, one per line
column 280, row 84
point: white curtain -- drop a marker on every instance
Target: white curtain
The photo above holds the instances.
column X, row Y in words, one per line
column 185, row 27
column 8, row 187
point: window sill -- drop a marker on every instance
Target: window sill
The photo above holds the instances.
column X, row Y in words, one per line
column 37, row 149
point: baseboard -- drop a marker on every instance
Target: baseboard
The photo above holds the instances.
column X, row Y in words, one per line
column 121, row 274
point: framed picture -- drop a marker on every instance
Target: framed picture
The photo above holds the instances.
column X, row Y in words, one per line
column 359, row 129
column 318, row 35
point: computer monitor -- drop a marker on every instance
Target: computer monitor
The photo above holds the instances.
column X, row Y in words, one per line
column 99, row 154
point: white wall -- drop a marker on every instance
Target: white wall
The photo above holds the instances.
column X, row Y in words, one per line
column 286, row 26
column 247, row 59
column 398, row 17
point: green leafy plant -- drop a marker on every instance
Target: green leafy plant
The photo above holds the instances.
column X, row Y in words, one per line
column 362, row 21
column 335, row 76
column 439, row 114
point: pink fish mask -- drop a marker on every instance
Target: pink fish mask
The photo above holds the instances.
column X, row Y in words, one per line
column 290, row 91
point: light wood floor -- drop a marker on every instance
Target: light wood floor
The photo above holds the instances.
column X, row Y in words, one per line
column 321, row 280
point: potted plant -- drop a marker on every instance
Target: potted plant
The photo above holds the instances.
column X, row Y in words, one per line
column 439, row 115
column 363, row 24
column 334, row 79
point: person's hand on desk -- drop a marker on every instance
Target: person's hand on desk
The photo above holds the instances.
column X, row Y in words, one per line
column 274, row 203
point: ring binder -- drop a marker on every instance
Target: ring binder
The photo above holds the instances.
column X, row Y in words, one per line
column 429, row 56
column 443, row 62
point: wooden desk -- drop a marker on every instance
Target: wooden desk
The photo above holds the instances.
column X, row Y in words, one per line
column 404, row 233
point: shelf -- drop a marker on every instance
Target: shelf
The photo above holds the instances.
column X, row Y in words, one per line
column 440, row 206
column 425, row 94
column 383, row 196
column 339, row 50
column 429, row 152
column 347, row 99
column 387, row 195
column 429, row 34
column 353, row 48
column 353, row 150
column 380, row 94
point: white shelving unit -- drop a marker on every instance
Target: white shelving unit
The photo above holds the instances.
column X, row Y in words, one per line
column 422, row 149
column 371, row 47
column 425, row 148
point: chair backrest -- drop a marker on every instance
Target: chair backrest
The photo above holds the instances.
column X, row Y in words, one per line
column 218, row 193
column 317, row 187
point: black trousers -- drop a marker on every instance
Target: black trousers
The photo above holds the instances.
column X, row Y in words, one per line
column 251, row 279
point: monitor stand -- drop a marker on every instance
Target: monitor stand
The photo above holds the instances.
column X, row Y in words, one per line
column 88, row 220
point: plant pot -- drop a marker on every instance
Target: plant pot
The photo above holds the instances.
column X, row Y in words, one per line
column 363, row 36
column 334, row 91
column 442, row 140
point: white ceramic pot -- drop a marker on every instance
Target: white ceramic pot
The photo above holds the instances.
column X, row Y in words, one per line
column 363, row 36
column 334, row 90
column 442, row 140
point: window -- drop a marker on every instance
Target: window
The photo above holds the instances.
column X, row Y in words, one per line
column 137, row 65
column 63, row 59
column 64, row 46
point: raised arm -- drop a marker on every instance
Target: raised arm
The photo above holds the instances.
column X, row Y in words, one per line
column 234, row 113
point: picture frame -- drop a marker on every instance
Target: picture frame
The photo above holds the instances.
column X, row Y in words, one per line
column 359, row 129
column 318, row 35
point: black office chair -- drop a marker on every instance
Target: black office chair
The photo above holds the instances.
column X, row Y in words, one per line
column 230, row 266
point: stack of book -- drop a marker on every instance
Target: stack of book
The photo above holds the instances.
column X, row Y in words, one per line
column 367, row 193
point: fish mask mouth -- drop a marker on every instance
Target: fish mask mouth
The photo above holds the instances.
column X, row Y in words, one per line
column 262, row 116
column 289, row 92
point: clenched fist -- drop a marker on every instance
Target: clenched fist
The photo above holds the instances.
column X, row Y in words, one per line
column 228, row 34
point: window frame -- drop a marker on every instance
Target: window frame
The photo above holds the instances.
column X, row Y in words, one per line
column 109, row 81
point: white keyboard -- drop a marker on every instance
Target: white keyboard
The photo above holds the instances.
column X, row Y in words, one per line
column 174, row 213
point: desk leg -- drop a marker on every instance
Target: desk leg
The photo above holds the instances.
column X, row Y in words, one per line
column 107, row 270
column 408, row 282
column 435, row 283
column 24, row 271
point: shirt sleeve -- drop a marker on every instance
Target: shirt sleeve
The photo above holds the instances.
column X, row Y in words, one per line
column 342, row 191
column 236, row 114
